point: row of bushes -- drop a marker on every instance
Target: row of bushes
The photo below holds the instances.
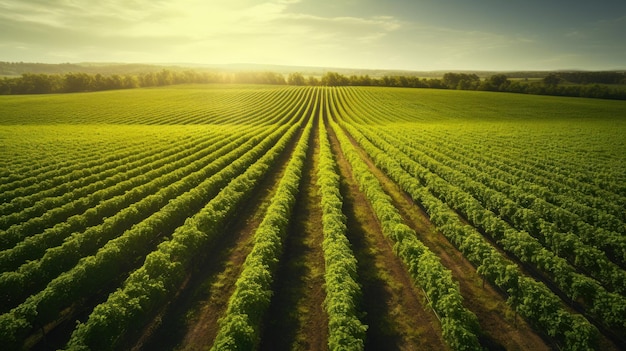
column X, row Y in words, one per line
column 343, row 292
column 531, row 299
column 169, row 199
column 460, row 326
column 118, row 254
column 151, row 285
column 240, row 326
column 608, row 307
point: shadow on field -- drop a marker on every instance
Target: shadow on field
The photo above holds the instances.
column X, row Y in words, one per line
column 381, row 333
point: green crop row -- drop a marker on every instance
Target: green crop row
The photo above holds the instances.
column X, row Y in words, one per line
column 214, row 104
column 533, row 300
column 531, row 219
column 239, row 328
column 608, row 307
column 58, row 209
column 107, row 201
column 343, row 292
column 90, row 272
column 164, row 269
column 174, row 197
column 460, row 326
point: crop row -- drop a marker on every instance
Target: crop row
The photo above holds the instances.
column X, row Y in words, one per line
column 60, row 180
column 35, row 274
column 343, row 292
column 240, row 326
column 567, row 211
column 534, row 219
column 539, row 215
column 525, row 294
column 27, row 165
column 61, row 209
column 559, row 182
column 266, row 111
column 20, row 232
column 562, row 176
column 460, row 326
column 608, row 307
column 189, row 105
column 115, row 231
column 117, row 255
column 57, row 209
column 164, row 269
column 36, row 202
column 572, row 203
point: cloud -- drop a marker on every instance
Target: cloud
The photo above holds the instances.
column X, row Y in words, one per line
column 364, row 33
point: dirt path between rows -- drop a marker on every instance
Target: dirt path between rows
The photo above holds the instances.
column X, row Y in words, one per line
column 296, row 319
column 497, row 320
column 397, row 315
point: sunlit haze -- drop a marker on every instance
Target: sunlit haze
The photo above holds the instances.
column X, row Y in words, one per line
column 396, row 34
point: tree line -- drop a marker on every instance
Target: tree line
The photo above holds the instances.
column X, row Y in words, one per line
column 607, row 85
column 595, row 85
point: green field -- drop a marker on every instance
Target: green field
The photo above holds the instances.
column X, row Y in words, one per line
column 305, row 218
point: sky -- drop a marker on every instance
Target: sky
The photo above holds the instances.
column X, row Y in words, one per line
column 417, row 35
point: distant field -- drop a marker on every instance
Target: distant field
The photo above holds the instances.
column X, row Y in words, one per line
column 275, row 218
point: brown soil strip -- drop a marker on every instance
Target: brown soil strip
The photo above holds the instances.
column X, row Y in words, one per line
column 397, row 314
column 296, row 319
column 497, row 320
column 191, row 322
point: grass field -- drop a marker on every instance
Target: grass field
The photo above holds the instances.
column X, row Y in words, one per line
column 307, row 218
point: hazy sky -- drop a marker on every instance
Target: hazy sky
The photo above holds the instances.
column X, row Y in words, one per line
column 391, row 34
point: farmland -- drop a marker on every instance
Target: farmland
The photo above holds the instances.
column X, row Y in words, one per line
column 280, row 217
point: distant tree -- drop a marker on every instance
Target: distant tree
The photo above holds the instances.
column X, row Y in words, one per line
column 461, row 81
column 6, row 86
column 165, row 77
column 148, row 79
column 365, row 80
column 435, row 83
column 296, row 78
column 114, row 81
column 78, row 82
column 130, row 82
column 387, row 81
column 497, row 82
column 312, row 81
column 31, row 83
column 272, row 78
column 332, row 79
column 551, row 80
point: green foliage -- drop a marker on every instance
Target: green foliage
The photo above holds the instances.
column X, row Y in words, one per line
column 296, row 79
column 86, row 199
column 174, row 193
column 461, row 329
column 241, row 324
column 163, row 270
column 346, row 331
column 441, row 189
column 461, row 81
column 551, row 80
